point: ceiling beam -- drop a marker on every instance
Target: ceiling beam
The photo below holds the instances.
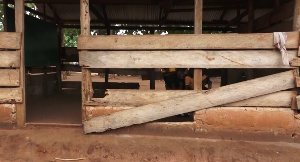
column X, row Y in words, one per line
column 53, row 10
column 154, row 28
column 139, row 22
column 96, row 13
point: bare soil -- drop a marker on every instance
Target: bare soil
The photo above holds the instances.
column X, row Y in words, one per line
column 70, row 143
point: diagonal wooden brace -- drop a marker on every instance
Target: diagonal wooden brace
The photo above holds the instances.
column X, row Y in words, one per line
column 193, row 102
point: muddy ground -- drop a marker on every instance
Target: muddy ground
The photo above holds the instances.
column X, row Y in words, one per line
column 46, row 144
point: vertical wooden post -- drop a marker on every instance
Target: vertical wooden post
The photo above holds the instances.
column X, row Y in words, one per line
column 198, row 30
column 249, row 72
column 58, row 67
column 19, row 24
column 152, row 71
column 106, row 71
column 296, row 24
column 106, row 77
column 86, row 83
column 5, row 15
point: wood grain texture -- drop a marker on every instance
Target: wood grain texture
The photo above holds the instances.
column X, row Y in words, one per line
column 10, row 40
column 220, row 96
column 9, row 77
column 10, row 95
column 10, row 59
column 198, row 10
column 135, row 98
column 296, row 25
column 184, row 42
column 184, row 59
column 20, row 27
column 86, row 82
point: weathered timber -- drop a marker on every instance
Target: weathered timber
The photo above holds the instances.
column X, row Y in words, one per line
column 87, row 91
column 184, row 59
column 134, row 98
column 295, row 62
column 19, row 25
column 10, row 59
column 10, row 40
column 101, row 85
column 10, row 95
column 298, row 81
column 9, row 77
column 183, row 41
column 220, row 96
column 296, row 24
column 198, row 10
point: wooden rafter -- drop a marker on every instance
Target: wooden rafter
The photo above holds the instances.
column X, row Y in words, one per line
column 53, row 10
column 96, row 13
column 165, row 10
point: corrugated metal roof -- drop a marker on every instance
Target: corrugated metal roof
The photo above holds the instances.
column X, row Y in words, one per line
column 149, row 13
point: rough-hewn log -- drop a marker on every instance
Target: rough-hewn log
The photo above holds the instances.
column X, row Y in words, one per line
column 10, row 40
column 198, row 101
column 10, row 95
column 86, row 82
column 134, row 98
column 10, row 59
column 182, row 41
column 184, row 59
column 9, row 77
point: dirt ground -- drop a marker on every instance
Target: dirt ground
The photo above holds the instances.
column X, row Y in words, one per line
column 69, row 143
column 66, row 108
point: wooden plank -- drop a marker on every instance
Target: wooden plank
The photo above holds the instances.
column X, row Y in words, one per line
column 19, row 25
column 296, row 25
column 10, row 59
column 298, row 102
column 10, row 40
column 295, row 62
column 9, row 77
column 298, row 81
column 184, row 59
column 220, row 96
column 10, row 95
column 184, row 42
column 135, row 98
column 101, row 85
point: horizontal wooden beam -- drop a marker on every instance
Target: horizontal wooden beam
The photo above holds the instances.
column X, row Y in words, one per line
column 184, row 59
column 184, row 42
column 9, row 77
column 10, row 59
column 10, row 40
column 102, row 85
column 10, row 95
column 126, row 99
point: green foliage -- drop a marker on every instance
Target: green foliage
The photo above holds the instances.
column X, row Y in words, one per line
column 70, row 37
column 1, row 17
